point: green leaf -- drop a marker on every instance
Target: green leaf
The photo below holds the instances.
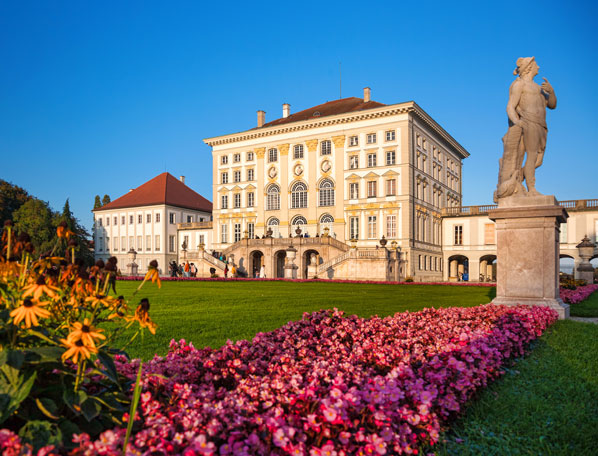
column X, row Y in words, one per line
column 42, row 336
column 48, row 407
column 135, row 401
column 41, row 433
column 74, row 399
column 12, row 358
column 110, row 368
column 68, row 429
column 40, row 355
column 90, row 409
column 14, row 389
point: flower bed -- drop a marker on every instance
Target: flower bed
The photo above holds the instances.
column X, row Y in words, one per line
column 581, row 293
column 324, row 385
column 246, row 279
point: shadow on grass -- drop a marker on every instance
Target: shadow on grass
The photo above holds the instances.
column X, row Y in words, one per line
column 491, row 293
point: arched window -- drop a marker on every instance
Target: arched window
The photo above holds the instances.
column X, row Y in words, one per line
column 326, row 193
column 327, row 218
column 299, row 220
column 326, row 221
column 273, row 223
column 273, row 198
column 299, row 195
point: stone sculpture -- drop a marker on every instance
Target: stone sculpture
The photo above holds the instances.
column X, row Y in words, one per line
column 527, row 131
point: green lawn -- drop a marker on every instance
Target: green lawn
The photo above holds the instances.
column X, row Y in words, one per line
column 587, row 308
column 209, row 313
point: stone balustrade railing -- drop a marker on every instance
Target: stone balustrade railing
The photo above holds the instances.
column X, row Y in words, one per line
column 294, row 241
column 196, row 225
column 571, row 205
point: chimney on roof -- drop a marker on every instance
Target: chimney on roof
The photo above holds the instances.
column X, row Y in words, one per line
column 182, row 179
column 286, row 110
column 261, row 118
column 367, row 94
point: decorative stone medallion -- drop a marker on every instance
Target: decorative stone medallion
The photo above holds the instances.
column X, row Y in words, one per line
column 272, row 172
column 298, row 170
column 326, row 166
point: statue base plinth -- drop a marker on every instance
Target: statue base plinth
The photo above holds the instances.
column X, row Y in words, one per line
column 290, row 271
column 527, row 238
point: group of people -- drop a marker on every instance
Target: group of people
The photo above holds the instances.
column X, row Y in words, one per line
column 182, row 270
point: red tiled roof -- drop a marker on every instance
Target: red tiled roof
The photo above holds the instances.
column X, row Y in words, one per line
column 330, row 108
column 162, row 189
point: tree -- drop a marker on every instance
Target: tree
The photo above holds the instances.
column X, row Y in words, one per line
column 39, row 221
column 105, row 200
column 80, row 236
column 97, row 203
column 12, row 197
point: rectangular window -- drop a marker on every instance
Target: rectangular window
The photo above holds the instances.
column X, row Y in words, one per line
column 249, row 156
column 99, row 222
column 139, row 243
column 171, row 244
column 354, row 228
column 458, row 238
column 298, row 151
column 326, row 147
column 189, row 218
column 354, row 161
column 354, row 191
column 122, row 220
column 419, row 262
column 372, row 228
column 158, row 217
column 250, row 199
column 251, row 230
column 391, row 226
column 148, row 218
column 237, row 232
column 140, row 218
column 108, row 221
column 100, row 244
column 391, row 187
column 250, row 175
column 425, row 262
column 224, row 233
column 123, row 243
column 224, row 178
column 236, row 158
column 157, row 238
column 390, row 135
column 390, row 157
column 115, row 244
column 224, row 202
column 371, row 160
column 115, row 220
column 371, row 138
column 237, row 200
column 489, row 234
column 372, row 189
column 224, row 159
column 185, row 242
column 148, row 242
column 202, row 239
column 237, row 176
column 130, row 219
column 563, row 233
column 172, row 218
column 353, row 140
column 132, row 242
column 272, row 155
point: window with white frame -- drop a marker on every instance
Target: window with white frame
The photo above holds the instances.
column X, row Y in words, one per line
column 251, row 230
column 273, row 198
column 139, row 243
column 132, row 242
column 157, row 244
column 108, row 221
column 372, row 227
column 99, row 221
column 391, row 187
column 224, row 159
column 148, row 242
column 130, row 219
column 391, row 157
column 249, row 156
column 224, row 202
column 237, row 200
column 115, row 244
column 250, row 174
column 298, row 220
column 390, row 135
column 237, row 232
column 139, row 218
column 122, row 220
column 272, row 155
column 171, row 244
column 123, row 243
column 224, row 234
column 237, row 176
column 354, row 161
column 326, row 193
column 371, row 160
column 372, row 189
column 391, row 226
column 353, row 228
column 202, row 239
column 236, row 158
column 273, row 224
column 326, row 147
column 353, row 140
column 563, row 233
column 158, row 217
column 371, row 138
column 354, row 190
column 458, row 235
column 299, row 195
column 172, row 218
column 100, row 244
column 298, row 151
column 250, row 199
column 148, row 218
column 224, row 178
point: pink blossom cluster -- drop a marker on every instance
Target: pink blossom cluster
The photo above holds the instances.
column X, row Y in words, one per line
column 581, row 293
column 246, row 279
column 325, row 385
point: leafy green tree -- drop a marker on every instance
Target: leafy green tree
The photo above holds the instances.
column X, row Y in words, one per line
column 80, row 237
column 39, row 221
column 12, row 197
column 97, row 203
column 105, row 200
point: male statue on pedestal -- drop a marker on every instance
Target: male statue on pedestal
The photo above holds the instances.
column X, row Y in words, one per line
column 527, row 131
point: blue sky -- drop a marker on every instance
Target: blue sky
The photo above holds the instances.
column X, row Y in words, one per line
column 99, row 97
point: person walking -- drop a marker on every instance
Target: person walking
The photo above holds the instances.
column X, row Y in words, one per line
column 233, row 271
column 187, row 269
column 226, row 271
column 262, row 272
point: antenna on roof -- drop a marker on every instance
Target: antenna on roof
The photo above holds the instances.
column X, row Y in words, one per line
column 340, row 81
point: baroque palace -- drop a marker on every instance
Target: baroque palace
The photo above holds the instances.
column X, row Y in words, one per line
column 349, row 189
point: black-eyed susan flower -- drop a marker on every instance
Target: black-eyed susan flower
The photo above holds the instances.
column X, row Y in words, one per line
column 30, row 310
column 86, row 332
column 38, row 288
column 100, row 299
column 153, row 273
column 142, row 316
column 62, row 231
column 77, row 348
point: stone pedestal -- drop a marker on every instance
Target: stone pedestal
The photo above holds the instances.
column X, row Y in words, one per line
column 585, row 270
column 527, row 238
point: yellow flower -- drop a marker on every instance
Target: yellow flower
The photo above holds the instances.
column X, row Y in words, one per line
column 63, row 231
column 86, row 332
column 142, row 316
column 38, row 288
column 29, row 311
column 105, row 300
column 152, row 273
column 77, row 348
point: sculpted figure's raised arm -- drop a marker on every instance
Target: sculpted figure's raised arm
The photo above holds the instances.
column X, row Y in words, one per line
column 526, row 136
